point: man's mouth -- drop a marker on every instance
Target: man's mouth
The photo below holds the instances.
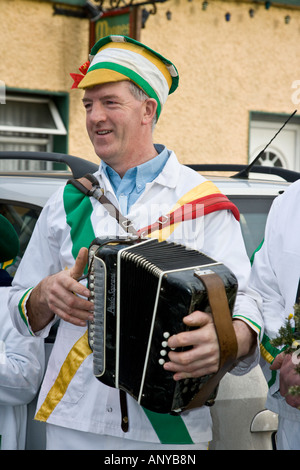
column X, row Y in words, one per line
column 103, row 132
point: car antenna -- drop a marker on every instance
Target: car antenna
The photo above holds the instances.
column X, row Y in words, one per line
column 245, row 172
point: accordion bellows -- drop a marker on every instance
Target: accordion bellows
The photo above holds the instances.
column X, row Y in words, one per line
column 141, row 290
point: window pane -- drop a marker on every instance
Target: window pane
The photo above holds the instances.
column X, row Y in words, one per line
column 23, row 220
column 253, row 212
column 26, row 114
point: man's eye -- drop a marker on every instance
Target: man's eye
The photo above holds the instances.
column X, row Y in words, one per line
column 110, row 102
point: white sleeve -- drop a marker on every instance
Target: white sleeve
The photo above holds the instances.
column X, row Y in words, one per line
column 21, row 361
column 263, row 277
column 40, row 259
column 223, row 241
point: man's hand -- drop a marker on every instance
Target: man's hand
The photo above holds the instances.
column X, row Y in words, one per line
column 288, row 377
column 204, row 356
column 59, row 295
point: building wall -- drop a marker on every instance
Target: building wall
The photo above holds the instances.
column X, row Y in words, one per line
column 227, row 69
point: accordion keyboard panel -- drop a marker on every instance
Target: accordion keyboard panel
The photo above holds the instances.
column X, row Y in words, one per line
column 97, row 287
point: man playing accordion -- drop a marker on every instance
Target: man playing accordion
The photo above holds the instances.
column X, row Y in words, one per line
column 125, row 87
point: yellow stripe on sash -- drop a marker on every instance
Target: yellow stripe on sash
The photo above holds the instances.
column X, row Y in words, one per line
column 80, row 351
column 202, row 190
column 265, row 354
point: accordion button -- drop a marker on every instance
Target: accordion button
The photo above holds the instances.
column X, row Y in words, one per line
column 164, row 344
column 161, row 362
column 166, row 334
column 163, row 352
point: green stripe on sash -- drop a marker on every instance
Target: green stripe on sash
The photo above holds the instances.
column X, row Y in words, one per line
column 170, row 429
column 78, row 210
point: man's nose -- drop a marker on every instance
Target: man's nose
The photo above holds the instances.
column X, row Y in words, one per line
column 98, row 113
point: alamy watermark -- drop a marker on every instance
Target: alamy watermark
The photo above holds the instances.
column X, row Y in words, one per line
column 2, row 92
column 296, row 357
column 2, row 353
column 187, row 224
column 296, row 94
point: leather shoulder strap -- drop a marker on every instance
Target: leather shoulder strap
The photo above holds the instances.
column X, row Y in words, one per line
column 89, row 185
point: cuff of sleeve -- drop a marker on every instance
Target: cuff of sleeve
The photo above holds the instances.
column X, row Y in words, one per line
column 23, row 310
column 253, row 325
column 23, row 314
column 248, row 363
column 244, row 365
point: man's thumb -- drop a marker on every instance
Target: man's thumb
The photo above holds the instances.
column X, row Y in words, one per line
column 80, row 263
column 277, row 363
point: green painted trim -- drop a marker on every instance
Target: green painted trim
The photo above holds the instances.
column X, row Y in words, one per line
column 79, row 3
column 293, row 3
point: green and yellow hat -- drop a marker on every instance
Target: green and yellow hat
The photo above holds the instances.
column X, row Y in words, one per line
column 117, row 58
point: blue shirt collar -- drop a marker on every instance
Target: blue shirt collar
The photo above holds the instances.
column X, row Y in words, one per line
column 135, row 179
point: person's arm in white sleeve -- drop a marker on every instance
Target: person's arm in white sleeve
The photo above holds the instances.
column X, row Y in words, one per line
column 22, row 361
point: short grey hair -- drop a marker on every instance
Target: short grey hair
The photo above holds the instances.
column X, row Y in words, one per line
column 140, row 95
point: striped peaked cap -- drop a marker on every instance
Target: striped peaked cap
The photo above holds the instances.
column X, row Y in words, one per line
column 116, row 58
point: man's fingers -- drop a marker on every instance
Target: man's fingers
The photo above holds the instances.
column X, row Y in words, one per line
column 196, row 320
column 202, row 356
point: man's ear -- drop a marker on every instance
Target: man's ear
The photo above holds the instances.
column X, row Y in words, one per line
column 150, row 106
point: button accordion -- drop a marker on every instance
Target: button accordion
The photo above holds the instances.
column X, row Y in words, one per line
column 141, row 290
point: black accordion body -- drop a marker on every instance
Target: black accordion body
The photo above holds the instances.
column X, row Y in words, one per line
column 141, row 291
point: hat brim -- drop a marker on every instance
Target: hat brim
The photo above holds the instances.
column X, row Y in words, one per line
column 99, row 77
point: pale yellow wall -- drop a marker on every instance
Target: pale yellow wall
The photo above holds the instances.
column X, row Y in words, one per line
column 226, row 69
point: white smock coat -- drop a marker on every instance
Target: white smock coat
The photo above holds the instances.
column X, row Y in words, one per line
column 21, row 373
column 275, row 275
column 86, row 404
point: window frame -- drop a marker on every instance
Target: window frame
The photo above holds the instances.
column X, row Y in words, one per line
column 60, row 127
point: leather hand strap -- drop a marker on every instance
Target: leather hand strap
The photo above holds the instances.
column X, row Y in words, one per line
column 226, row 335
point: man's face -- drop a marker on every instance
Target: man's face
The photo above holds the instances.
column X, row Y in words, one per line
column 114, row 122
